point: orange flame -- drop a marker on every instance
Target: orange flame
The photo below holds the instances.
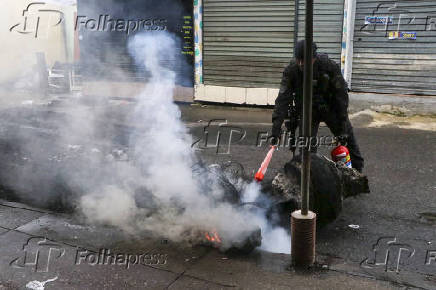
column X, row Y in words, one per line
column 213, row 237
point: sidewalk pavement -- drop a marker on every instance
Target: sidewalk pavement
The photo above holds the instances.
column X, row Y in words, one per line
column 410, row 104
column 402, row 189
column 402, row 104
column 391, row 103
column 37, row 245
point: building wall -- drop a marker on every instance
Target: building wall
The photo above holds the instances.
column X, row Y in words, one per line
column 399, row 55
column 104, row 53
column 246, row 44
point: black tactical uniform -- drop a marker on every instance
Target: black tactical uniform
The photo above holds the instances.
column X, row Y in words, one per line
column 330, row 102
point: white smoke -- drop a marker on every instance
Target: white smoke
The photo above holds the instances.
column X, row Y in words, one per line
column 274, row 239
column 150, row 186
column 162, row 165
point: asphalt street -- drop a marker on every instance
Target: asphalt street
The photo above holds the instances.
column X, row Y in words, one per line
column 397, row 217
column 382, row 240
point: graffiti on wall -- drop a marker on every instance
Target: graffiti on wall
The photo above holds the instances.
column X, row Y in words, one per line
column 430, row 23
column 198, row 40
column 396, row 21
column 187, row 35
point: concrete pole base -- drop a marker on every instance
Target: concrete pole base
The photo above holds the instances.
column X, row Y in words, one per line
column 303, row 237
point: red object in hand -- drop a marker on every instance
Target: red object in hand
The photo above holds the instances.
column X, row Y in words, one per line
column 260, row 174
column 341, row 153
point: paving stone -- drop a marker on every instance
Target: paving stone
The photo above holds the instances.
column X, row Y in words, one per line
column 22, row 206
column 13, row 217
column 24, row 258
column 191, row 283
column 68, row 230
column 245, row 273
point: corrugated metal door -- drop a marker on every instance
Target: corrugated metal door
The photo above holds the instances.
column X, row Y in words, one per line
column 387, row 58
column 247, row 43
column 328, row 16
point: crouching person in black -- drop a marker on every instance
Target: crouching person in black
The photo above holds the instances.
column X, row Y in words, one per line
column 330, row 100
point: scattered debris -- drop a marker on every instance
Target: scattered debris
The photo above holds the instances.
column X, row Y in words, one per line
column 74, row 147
column 330, row 184
column 383, row 119
column 78, row 227
column 428, row 216
column 120, row 155
column 27, row 102
column 393, row 110
column 37, row 285
column 285, row 188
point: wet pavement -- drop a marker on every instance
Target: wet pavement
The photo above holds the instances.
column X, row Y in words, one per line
column 393, row 247
column 77, row 256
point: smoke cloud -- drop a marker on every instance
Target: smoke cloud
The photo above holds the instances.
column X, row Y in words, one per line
column 274, row 239
column 160, row 174
column 162, row 169
column 140, row 180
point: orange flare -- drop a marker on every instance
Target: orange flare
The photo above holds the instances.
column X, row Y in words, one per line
column 260, row 174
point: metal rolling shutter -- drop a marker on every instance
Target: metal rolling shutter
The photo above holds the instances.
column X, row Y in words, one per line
column 328, row 17
column 247, row 43
column 402, row 66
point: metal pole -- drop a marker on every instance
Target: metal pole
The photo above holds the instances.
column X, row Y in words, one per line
column 307, row 106
column 303, row 222
column 297, row 5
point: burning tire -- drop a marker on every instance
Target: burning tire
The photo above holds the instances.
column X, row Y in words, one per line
column 251, row 241
column 330, row 184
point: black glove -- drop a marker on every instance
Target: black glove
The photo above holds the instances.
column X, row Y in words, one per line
column 276, row 129
column 342, row 139
column 273, row 140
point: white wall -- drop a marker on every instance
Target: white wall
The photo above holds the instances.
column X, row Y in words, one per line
column 235, row 95
column 17, row 52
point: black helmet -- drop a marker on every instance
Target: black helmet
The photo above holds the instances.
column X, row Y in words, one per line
column 299, row 49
